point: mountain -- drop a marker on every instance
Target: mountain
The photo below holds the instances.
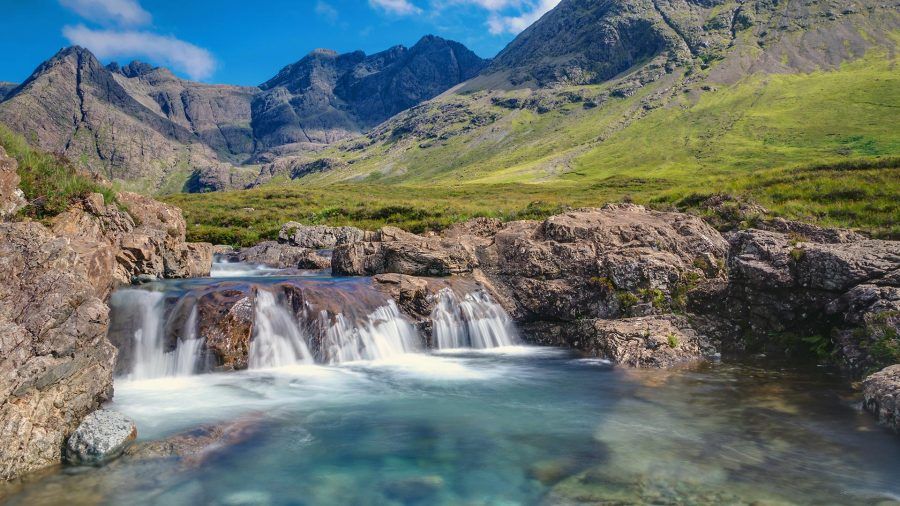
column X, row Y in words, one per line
column 700, row 104
column 127, row 128
column 5, row 88
column 601, row 88
column 152, row 131
column 328, row 96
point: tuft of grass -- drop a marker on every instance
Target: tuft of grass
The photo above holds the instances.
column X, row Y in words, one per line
column 672, row 340
column 50, row 182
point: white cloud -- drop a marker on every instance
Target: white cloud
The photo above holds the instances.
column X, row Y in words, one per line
column 399, row 7
column 119, row 12
column 326, row 10
column 499, row 24
column 194, row 61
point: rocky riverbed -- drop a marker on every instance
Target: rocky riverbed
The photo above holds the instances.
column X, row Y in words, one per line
column 634, row 286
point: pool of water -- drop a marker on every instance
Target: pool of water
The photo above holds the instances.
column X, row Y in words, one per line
column 515, row 425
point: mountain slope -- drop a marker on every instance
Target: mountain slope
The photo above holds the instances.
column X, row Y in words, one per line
column 792, row 103
column 152, row 131
column 328, row 96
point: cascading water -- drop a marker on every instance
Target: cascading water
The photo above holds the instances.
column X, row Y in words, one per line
column 382, row 334
column 158, row 334
column 476, row 321
column 277, row 340
column 150, row 357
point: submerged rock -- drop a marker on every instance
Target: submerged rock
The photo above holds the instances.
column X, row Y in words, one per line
column 881, row 396
column 102, row 436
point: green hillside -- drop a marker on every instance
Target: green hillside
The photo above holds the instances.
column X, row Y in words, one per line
column 821, row 146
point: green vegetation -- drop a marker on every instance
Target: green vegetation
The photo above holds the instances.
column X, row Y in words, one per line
column 672, row 341
column 50, row 182
column 821, row 147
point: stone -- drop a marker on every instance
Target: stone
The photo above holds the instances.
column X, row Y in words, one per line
column 56, row 363
column 881, row 396
column 11, row 197
column 226, row 325
column 650, row 341
column 414, row 489
column 283, row 256
column 102, row 436
column 318, row 237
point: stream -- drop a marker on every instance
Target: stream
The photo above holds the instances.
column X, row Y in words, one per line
column 365, row 413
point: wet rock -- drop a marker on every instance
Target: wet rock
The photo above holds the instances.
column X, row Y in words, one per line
column 813, row 281
column 651, row 341
column 415, row 489
column 317, row 237
column 881, row 396
column 283, row 256
column 226, row 326
column 11, row 197
column 196, row 446
column 102, row 436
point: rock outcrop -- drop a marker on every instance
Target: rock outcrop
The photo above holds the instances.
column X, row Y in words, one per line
column 645, row 341
column 102, row 436
column 11, row 197
column 811, row 281
column 881, row 396
column 283, row 256
column 56, row 362
column 611, row 281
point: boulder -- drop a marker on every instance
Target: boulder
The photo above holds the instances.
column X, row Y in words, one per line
column 226, row 326
column 320, row 237
column 881, row 396
column 56, row 363
column 102, row 436
column 650, row 341
column 11, row 197
column 283, row 256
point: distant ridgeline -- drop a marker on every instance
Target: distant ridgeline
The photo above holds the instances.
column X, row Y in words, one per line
column 713, row 82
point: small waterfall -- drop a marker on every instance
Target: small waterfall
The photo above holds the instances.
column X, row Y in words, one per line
column 277, row 340
column 150, row 357
column 188, row 350
column 474, row 322
column 382, row 334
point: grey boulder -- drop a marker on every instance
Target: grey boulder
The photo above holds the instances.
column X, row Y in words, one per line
column 102, row 436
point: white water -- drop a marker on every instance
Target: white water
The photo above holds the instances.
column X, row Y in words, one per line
column 151, row 360
column 223, row 269
column 382, row 334
column 277, row 340
column 474, row 322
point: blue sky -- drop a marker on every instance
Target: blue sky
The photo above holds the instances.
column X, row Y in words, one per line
column 241, row 42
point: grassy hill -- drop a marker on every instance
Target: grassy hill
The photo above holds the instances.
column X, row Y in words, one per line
column 821, row 146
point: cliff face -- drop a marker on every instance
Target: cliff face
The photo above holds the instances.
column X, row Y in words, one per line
column 328, row 96
column 56, row 363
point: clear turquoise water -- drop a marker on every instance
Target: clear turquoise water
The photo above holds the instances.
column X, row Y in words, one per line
column 516, row 426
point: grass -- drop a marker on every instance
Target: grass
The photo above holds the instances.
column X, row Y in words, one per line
column 50, row 182
column 806, row 193
column 821, row 147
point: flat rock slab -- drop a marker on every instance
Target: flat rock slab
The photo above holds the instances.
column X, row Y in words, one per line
column 102, row 436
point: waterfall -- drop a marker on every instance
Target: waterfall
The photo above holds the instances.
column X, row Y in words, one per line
column 151, row 360
column 277, row 340
column 158, row 332
column 381, row 334
column 474, row 322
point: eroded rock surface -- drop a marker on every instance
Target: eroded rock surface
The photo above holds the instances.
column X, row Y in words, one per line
column 881, row 396
column 11, row 197
column 283, row 256
column 56, row 363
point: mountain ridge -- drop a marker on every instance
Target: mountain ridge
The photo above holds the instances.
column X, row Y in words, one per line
column 150, row 130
